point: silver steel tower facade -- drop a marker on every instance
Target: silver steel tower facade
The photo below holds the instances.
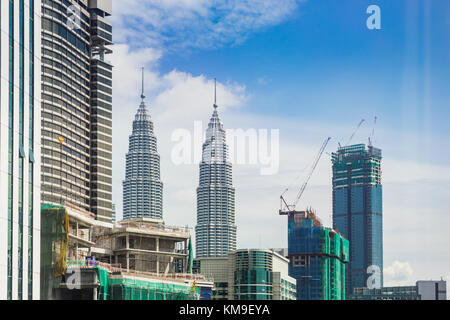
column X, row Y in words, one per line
column 142, row 187
column 77, row 105
column 215, row 232
column 20, row 115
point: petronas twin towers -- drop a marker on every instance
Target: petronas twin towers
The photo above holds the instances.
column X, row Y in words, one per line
column 215, row 233
column 142, row 187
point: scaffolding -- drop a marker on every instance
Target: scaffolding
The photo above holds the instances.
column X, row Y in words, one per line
column 317, row 257
column 54, row 246
column 114, row 287
column 132, row 260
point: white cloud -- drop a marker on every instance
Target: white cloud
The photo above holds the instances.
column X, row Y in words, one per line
column 196, row 23
column 398, row 273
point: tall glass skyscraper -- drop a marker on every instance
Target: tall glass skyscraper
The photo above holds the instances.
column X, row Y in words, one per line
column 215, row 232
column 142, row 187
column 20, row 161
column 357, row 210
column 77, row 105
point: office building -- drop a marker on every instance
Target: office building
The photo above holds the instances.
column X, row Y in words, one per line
column 317, row 257
column 423, row 290
column 248, row 274
column 357, row 211
column 215, row 232
column 20, row 161
column 142, row 187
column 77, row 105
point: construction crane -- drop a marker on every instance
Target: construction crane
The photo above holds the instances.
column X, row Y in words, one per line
column 373, row 132
column 286, row 209
column 353, row 134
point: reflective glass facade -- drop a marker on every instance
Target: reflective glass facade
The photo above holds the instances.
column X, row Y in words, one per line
column 317, row 258
column 357, row 209
column 19, row 181
column 77, row 105
column 253, row 275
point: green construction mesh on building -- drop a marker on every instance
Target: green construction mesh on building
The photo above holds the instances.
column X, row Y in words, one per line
column 334, row 249
column 322, row 255
column 54, row 244
column 123, row 288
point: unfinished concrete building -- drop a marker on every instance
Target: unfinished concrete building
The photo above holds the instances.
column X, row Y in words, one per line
column 140, row 259
column 143, row 244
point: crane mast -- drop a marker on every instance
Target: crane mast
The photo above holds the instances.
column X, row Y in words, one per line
column 286, row 209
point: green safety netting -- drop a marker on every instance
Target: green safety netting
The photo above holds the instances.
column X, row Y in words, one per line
column 120, row 288
column 102, row 274
column 191, row 257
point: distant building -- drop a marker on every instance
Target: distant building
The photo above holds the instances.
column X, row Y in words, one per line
column 248, row 274
column 432, row 290
column 142, row 187
column 317, row 258
column 423, row 290
column 357, row 210
column 215, row 232
column 281, row 251
column 113, row 216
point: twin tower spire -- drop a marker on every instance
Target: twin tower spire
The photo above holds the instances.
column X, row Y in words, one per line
column 215, row 232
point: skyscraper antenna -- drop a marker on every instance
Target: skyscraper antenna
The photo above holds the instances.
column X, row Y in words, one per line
column 142, row 94
column 215, row 94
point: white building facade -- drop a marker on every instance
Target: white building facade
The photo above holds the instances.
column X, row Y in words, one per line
column 20, row 114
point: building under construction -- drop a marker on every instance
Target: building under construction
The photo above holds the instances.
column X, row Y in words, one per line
column 140, row 259
column 317, row 257
column 358, row 210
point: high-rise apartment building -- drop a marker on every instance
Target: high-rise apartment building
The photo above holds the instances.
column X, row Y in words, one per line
column 142, row 187
column 357, row 212
column 317, row 258
column 215, row 232
column 77, row 105
column 20, row 114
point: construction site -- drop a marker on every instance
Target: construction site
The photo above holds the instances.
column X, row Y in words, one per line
column 317, row 256
column 140, row 259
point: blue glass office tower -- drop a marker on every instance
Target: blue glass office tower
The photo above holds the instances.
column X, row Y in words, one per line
column 357, row 209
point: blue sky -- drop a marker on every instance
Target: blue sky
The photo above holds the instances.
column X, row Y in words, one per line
column 310, row 69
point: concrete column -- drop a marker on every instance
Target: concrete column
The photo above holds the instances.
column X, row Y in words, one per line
column 187, row 256
column 76, row 234
column 157, row 264
column 128, row 261
column 157, row 256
